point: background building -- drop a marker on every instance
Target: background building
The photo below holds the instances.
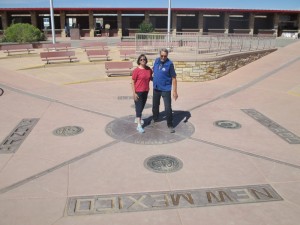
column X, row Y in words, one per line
column 126, row 21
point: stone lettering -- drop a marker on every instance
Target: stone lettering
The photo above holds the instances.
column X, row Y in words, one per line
column 286, row 135
column 176, row 198
column 242, row 195
column 171, row 200
column 84, row 206
column 106, row 204
column 17, row 136
column 120, row 203
column 211, row 197
column 10, row 142
column 160, row 200
column 294, row 140
column 5, row 149
column 259, row 194
column 137, row 202
column 20, row 132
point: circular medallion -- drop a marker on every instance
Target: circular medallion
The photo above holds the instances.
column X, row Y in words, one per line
column 68, row 131
column 124, row 129
column 227, row 124
column 163, row 164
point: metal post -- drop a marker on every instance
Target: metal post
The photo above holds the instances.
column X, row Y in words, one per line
column 169, row 21
column 52, row 22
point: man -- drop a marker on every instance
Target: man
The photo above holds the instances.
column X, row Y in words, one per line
column 164, row 82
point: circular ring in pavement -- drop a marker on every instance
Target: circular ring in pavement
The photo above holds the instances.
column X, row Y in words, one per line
column 68, row 131
column 163, row 164
column 124, row 129
column 227, row 124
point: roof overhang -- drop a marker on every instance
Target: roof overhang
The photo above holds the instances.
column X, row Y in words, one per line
column 156, row 9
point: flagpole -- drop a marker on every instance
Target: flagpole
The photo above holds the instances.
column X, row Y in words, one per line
column 169, row 21
column 52, row 22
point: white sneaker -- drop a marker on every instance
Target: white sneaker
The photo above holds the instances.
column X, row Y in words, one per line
column 142, row 121
column 140, row 129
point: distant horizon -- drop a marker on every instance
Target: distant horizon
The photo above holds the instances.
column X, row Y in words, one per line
column 291, row 5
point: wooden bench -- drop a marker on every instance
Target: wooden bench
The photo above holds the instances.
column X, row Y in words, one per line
column 94, row 45
column 127, row 53
column 56, row 56
column 17, row 48
column 118, row 68
column 57, row 47
column 97, row 54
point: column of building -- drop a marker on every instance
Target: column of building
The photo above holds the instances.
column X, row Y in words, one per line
column 91, row 24
column 33, row 16
column 298, row 24
column 119, row 28
column 251, row 23
column 4, row 19
column 226, row 23
column 200, row 22
column 62, row 16
column 174, row 23
column 147, row 16
column 276, row 24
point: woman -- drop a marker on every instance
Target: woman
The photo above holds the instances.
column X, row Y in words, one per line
column 141, row 77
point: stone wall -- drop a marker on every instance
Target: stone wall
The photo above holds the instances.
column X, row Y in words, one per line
column 213, row 68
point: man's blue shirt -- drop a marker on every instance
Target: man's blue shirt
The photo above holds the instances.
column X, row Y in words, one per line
column 163, row 73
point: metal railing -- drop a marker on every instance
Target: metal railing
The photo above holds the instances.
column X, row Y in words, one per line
column 202, row 44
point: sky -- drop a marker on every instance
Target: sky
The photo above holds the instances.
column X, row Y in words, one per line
column 232, row 4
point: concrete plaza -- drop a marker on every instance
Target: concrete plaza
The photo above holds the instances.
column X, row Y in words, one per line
column 244, row 172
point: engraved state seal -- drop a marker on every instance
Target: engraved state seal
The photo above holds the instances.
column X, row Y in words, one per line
column 163, row 164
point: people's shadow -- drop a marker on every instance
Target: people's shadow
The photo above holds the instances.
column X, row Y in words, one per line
column 181, row 116
column 178, row 117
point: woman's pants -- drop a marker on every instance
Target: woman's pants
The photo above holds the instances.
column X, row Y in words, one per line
column 140, row 103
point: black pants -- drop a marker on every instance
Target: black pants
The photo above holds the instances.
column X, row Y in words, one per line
column 166, row 95
column 140, row 103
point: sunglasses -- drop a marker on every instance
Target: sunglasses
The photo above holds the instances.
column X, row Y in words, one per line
column 163, row 56
column 143, row 59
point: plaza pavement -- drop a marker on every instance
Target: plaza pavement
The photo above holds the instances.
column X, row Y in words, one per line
column 244, row 176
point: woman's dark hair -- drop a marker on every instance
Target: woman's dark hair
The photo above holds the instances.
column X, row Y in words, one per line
column 139, row 58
